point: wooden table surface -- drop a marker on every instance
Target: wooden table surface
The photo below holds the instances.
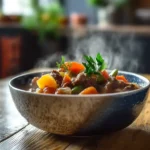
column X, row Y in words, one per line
column 17, row 134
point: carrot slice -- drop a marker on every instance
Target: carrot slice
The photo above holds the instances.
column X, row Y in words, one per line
column 66, row 78
column 89, row 90
column 46, row 81
column 74, row 67
column 122, row 78
column 105, row 74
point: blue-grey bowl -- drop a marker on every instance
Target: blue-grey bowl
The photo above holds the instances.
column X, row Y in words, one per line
column 78, row 115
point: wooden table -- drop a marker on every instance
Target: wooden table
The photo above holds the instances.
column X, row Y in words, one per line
column 17, row 134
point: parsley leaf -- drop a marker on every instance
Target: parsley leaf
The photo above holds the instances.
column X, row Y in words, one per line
column 62, row 63
column 94, row 66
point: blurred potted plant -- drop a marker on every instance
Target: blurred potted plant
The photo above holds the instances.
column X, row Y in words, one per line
column 47, row 23
column 45, row 20
column 106, row 8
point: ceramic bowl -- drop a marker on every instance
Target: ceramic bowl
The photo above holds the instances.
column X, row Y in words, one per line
column 78, row 115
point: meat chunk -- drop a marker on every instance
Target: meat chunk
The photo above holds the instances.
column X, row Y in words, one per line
column 113, row 85
column 130, row 87
column 84, row 80
column 67, row 84
column 34, row 80
column 80, row 79
column 65, row 90
column 118, row 86
column 33, row 84
column 49, row 90
column 56, row 75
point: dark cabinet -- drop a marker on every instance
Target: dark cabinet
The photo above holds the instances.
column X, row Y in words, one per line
column 18, row 50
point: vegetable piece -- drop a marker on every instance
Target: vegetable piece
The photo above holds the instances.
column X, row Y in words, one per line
column 66, row 79
column 49, row 90
column 77, row 89
column 89, row 90
column 65, row 90
column 94, row 66
column 46, row 81
column 122, row 78
column 74, row 67
column 114, row 73
column 100, row 62
column 62, row 64
column 62, row 74
column 105, row 74
column 100, row 79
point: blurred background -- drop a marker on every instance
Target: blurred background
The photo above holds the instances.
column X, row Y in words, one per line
column 35, row 33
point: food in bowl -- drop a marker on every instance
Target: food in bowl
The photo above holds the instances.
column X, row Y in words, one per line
column 89, row 77
column 76, row 114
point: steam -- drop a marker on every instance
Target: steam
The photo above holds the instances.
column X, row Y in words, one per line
column 120, row 51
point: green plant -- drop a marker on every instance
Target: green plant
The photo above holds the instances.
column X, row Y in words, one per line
column 98, row 2
column 44, row 20
column 104, row 3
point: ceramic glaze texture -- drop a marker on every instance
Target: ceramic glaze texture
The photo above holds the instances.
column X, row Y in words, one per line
column 79, row 115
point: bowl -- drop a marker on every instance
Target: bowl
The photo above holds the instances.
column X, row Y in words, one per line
column 79, row 115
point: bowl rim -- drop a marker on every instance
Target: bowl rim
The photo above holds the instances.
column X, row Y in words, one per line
column 88, row 95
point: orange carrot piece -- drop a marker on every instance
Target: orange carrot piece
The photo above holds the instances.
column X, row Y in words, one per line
column 122, row 78
column 75, row 67
column 46, row 81
column 89, row 90
column 66, row 78
column 105, row 74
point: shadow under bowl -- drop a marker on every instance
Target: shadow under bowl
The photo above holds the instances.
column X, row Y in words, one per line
column 78, row 115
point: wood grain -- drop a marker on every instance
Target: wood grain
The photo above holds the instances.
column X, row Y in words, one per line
column 31, row 138
column 10, row 119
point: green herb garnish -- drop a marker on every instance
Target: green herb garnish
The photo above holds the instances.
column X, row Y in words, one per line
column 94, row 66
column 62, row 64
